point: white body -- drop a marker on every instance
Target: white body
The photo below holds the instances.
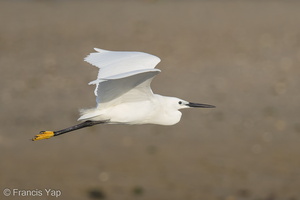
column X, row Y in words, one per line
column 123, row 92
column 151, row 111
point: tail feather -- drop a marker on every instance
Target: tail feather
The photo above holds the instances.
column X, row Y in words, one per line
column 89, row 114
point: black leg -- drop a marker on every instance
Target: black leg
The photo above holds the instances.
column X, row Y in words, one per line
column 49, row 134
column 78, row 126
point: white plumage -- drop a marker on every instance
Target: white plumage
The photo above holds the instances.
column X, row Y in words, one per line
column 120, row 64
column 123, row 92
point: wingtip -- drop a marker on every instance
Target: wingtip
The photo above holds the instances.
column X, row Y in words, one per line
column 99, row 50
column 88, row 57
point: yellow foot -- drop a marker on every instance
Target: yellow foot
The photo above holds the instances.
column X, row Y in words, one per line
column 43, row 135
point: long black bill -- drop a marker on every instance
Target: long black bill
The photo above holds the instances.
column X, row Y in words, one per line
column 199, row 105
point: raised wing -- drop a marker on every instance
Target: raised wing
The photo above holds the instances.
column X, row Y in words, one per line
column 114, row 63
column 135, row 87
column 123, row 75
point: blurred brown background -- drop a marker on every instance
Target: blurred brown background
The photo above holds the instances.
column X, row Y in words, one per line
column 242, row 56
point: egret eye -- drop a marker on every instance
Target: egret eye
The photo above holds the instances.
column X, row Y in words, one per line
column 180, row 102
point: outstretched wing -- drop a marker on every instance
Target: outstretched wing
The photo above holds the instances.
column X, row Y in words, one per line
column 114, row 63
column 135, row 87
column 123, row 76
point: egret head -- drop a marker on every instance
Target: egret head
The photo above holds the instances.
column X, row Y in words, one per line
column 180, row 104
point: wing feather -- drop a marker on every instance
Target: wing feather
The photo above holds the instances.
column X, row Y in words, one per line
column 123, row 76
column 116, row 62
column 128, row 89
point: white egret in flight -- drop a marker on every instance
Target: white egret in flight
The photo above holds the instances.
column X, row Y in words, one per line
column 123, row 93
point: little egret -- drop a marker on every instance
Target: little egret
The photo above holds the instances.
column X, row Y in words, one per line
column 123, row 93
